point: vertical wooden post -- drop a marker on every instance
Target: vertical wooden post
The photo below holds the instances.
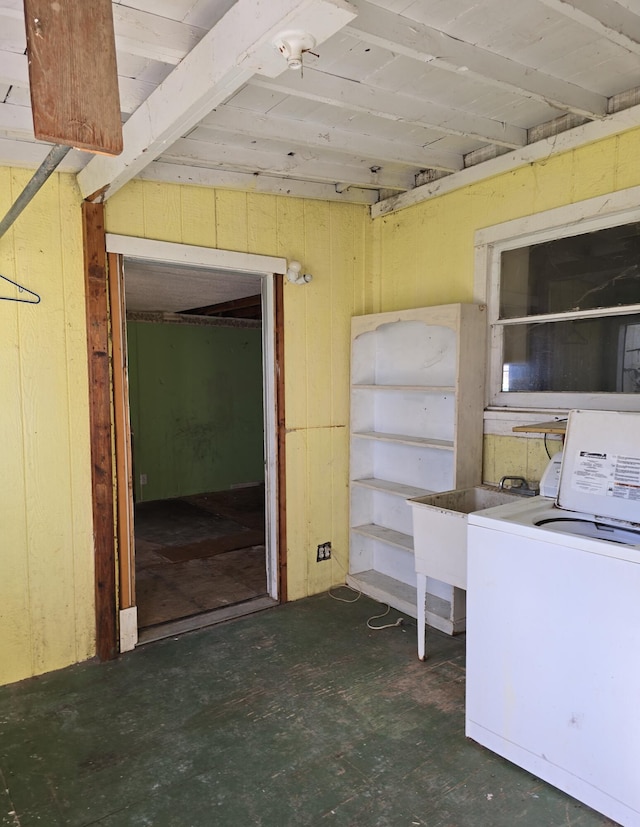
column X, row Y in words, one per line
column 281, row 433
column 122, row 436
column 95, row 265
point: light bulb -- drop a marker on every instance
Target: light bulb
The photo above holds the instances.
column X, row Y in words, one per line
column 292, row 45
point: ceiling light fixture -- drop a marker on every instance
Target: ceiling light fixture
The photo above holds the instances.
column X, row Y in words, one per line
column 292, row 45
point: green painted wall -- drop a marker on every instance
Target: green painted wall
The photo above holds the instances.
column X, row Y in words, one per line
column 196, row 407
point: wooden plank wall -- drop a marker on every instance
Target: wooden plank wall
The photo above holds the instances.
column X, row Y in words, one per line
column 46, row 544
column 330, row 240
column 425, row 254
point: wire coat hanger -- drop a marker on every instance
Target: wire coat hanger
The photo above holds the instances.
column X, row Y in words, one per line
column 34, row 300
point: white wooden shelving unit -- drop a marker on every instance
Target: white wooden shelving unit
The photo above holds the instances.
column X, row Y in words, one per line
column 417, row 396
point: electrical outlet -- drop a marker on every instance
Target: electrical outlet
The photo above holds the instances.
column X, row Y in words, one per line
column 143, row 479
column 324, row 552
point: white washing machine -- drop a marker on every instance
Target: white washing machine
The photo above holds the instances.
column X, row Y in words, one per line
column 553, row 622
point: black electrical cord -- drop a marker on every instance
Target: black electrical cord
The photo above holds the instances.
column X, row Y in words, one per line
column 546, row 446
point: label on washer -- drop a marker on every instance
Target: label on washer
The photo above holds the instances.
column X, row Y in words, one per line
column 609, row 475
column 626, row 480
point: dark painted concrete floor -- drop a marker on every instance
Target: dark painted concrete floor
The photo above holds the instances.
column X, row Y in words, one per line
column 296, row 716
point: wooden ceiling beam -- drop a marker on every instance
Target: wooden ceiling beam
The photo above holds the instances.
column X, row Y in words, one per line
column 137, row 32
column 270, row 183
column 239, row 45
column 14, row 71
column 249, row 307
column 607, row 18
column 411, row 111
column 404, row 36
column 270, row 161
column 296, row 134
column 151, row 36
column 15, row 122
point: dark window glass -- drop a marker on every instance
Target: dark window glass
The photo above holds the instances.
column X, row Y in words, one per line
column 582, row 272
column 594, row 355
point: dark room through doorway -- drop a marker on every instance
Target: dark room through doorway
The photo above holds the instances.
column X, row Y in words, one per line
column 196, row 392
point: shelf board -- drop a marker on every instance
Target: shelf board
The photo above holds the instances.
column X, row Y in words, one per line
column 555, row 426
column 409, row 388
column 398, row 489
column 402, row 597
column 387, row 590
column 386, row 535
column 403, row 439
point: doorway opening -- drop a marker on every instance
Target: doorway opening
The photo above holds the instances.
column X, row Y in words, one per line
column 198, row 347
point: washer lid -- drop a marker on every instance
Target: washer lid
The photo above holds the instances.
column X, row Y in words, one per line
column 600, row 472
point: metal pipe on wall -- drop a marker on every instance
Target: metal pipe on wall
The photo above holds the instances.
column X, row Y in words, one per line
column 43, row 172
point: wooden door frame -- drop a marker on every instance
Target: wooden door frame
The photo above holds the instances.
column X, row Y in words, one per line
column 116, row 622
column 280, row 436
column 127, row 610
column 101, row 429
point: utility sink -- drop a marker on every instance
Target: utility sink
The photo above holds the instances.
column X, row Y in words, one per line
column 440, row 529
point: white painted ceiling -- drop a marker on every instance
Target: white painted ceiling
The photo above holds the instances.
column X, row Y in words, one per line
column 173, row 288
column 403, row 91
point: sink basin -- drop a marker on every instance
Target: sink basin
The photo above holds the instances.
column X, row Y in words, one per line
column 440, row 529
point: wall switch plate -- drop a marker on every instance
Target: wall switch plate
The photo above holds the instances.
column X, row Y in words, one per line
column 324, row 552
column 143, row 479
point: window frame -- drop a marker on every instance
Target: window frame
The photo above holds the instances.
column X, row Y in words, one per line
column 583, row 217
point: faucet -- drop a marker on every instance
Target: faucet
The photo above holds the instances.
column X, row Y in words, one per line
column 522, row 487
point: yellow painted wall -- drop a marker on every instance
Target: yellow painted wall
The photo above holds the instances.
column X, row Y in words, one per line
column 46, row 544
column 519, row 456
column 420, row 256
column 424, row 254
column 332, row 242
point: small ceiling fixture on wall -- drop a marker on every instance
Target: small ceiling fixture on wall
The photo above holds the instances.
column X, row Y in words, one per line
column 295, row 274
column 292, row 45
